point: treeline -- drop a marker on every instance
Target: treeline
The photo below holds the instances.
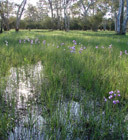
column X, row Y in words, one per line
column 90, row 23
column 65, row 15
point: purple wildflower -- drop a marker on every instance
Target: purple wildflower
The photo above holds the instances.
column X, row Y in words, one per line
column 118, row 95
column 62, row 44
column 114, row 94
column 114, row 102
column 117, row 101
column 73, row 48
column 110, row 97
column 36, row 40
column 84, row 47
column 31, row 42
column 74, row 41
column 111, row 92
column 96, row 47
column 118, row 91
column 121, row 53
column 79, row 51
column 20, row 41
column 110, row 46
column 72, row 51
column 57, row 47
column 105, row 99
column 44, row 42
column 126, row 52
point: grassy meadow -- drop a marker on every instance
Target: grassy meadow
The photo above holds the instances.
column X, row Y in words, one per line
column 88, row 68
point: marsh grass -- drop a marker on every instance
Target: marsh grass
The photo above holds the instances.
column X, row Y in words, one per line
column 84, row 78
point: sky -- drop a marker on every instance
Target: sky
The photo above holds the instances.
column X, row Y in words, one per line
column 28, row 1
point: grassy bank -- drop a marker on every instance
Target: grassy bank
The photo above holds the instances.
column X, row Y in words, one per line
column 79, row 66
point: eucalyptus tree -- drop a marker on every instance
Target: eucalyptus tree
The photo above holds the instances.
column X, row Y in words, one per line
column 51, row 7
column 58, row 11
column 42, row 9
column 114, row 5
column 31, row 13
column 122, row 17
column 20, row 11
column 86, row 5
column 5, row 10
column 125, row 20
column 66, row 16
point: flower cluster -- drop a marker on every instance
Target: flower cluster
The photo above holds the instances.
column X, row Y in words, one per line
column 74, row 41
column 72, row 49
column 31, row 41
column 121, row 53
column 113, row 95
column 110, row 46
column 62, row 44
column 81, row 49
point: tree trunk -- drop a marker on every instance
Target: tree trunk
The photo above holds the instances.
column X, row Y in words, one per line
column 19, row 14
column 68, row 22
column 115, row 22
column 125, row 21
column 120, row 17
column 58, row 17
column 1, row 28
column 65, row 15
column 65, row 19
column 51, row 8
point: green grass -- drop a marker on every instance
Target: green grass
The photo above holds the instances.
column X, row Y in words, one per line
column 85, row 77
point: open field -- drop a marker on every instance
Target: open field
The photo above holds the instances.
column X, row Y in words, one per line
column 78, row 80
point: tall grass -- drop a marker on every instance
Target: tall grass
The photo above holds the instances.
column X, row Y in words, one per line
column 85, row 76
